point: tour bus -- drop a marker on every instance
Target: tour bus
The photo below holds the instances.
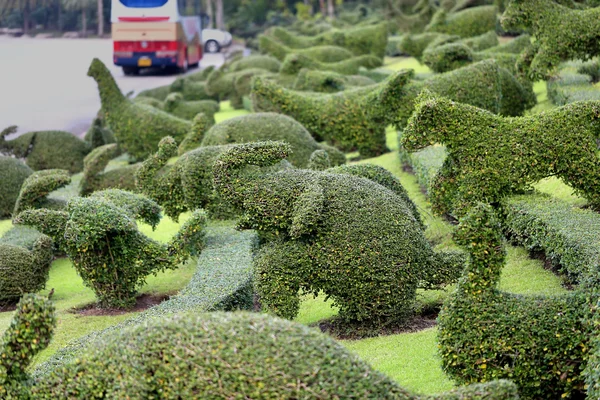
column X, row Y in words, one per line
column 156, row 33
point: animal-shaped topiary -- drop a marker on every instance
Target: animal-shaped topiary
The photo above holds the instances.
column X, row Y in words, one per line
column 25, row 257
column 99, row 135
column 296, row 361
column 100, row 236
column 294, row 62
column 541, row 342
column 29, row 333
column 466, row 23
column 174, row 104
column 491, row 156
column 97, row 177
column 345, row 235
column 323, row 53
column 222, row 84
column 259, row 61
column 46, row 149
column 36, row 188
column 450, row 56
column 327, row 81
column 138, row 128
column 13, row 173
column 560, row 33
column 271, row 126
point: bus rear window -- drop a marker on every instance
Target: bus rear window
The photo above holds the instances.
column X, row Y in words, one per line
column 143, row 3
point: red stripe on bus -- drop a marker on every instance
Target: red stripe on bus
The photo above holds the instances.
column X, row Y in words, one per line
column 143, row 19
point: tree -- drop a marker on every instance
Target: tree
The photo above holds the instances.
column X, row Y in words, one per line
column 23, row 6
column 83, row 6
column 219, row 14
column 208, row 6
column 100, row 4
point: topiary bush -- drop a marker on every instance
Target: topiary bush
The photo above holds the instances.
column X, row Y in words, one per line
column 490, row 156
column 97, row 177
column 99, row 135
column 174, row 104
column 149, row 101
column 466, row 23
column 294, row 63
column 481, row 42
column 38, row 186
column 222, row 85
column 159, row 93
column 352, row 119
column 200, row 125
column 326, row 54
column 256, row 61
column 345, row 235
column 447, row 57
column 13, row 173
column 574, row 82
column 327, row 81
column 29, row 333
column 298, row 362
column 137, row 128
column 25, row 257
column 270, row 126
column 100, row 237
column 560, row 33
column 541, row 342
column 515, row 46
column 46, row 149
column 415, row 45
column 190, row 90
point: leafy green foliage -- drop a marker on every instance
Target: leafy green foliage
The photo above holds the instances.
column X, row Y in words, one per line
column 200, row 125
column 268, row 63
column 13, row 173
column 137, row 128
column 560, row 33
column 270, row 126
column 174, row 104
column 323, row 53
column 294, row 62
column 99, row 135
column 47, row 149
column 574, row 82
column 540, row 342
column 330, row 232
column 447, row 57
column 113, row 258
column 229, row 85
column 96, row 177
column 36, row 188
column 30, row 332
column 490, row 156
column 466, row 23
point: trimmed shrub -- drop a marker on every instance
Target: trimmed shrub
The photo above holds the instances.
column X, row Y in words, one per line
column 574, row 82
column 415, row 45
column 200, row 125
column 515, row 46
column 174, row 104
column 447, row 57
column 518, row 151
column 29, row 333
column 96, row 177
column 425, row 164
column 159, row 93
column 393, row 47
column 326, row 54
column 25, row 257
column 467, row 23
column 568, row 236
column 99, row 135
column 221, row 84
column 541, row 342
column 190, row 90
column 149, row 101
column 482, row 42
column 46, row 149
column 242, row 84
column 184, row 185
column 352, row 119
column 257, row 61
column 13, row 173
column 323, row 228
column 560, row 33
column 137, row 128
column 102, row 241
column 328, row 82
column 222, row 281
column 38, row 186
column 201, row 75
column 270, row 126
column 293, row 63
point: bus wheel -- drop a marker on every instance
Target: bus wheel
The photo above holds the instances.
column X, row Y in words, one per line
column 129, row 71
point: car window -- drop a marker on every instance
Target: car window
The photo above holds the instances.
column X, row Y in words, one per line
column 143, row 3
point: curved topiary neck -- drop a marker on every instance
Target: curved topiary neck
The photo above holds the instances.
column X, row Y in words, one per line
column 110, row 94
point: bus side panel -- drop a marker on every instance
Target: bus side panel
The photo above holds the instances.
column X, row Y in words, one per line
column 192, row 36
column 144, row 31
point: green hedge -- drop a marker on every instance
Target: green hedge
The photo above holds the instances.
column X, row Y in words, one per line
column 330, row 232
column 325, row 53
column 222, row 84
column 102, row 241
column 25, row 257
column 174, row 104
column 327, row 81
column 294, row 63
column 46, row 149
column 270, row 126
column 38, row 186
column 560, row 33
column 466, row 23
column 352, row 119
column 568, row 236
column 159, row 93
column 222, row 281
column 200, row 125
column 97, row 177
column 190, row 90
column 518, row 151
column 256, row 61
column 539, row 342
column 137, row 128
column 447, row 57
column 515, row 46
column 415, row 45
column 200, row 76
column 13, row 173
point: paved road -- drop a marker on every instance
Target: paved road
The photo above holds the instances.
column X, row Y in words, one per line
column 44, row 83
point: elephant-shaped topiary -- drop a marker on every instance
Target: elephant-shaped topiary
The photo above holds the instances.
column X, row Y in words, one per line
column 100, row 236
column 345, row 235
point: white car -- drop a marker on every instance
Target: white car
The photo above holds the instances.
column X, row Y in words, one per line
column 215, row 39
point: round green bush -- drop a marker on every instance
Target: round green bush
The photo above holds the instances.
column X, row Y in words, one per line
column 268, row 126
column 447, row 57
column 13, row 173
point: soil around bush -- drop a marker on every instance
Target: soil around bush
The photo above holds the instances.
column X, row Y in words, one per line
column 143, row 302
